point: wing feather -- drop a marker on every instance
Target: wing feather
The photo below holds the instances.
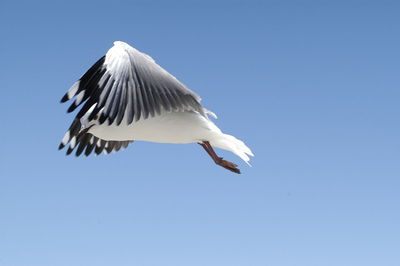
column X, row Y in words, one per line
column 126, row 84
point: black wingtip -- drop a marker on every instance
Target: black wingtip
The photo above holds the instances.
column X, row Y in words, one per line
column 72, row 107
column 64, row 98
column 102, row 118
column 69, row 151
column 61, row 146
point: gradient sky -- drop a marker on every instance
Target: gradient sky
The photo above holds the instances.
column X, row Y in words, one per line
column 311, row 86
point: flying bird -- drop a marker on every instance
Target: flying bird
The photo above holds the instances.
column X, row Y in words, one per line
column 126, row 96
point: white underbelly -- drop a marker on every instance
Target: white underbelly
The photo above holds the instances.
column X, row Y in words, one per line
column 173, row 127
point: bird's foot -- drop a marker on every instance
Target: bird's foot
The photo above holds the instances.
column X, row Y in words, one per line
column 228, row 165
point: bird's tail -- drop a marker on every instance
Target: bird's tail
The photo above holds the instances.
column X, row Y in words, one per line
column 230, row 143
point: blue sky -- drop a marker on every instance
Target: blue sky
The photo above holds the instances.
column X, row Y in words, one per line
column 311, row 86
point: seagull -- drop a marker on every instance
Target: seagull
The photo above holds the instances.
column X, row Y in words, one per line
column 126, row 96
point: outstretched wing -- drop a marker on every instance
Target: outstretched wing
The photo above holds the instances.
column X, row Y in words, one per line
column 126, row 84
column 80, row 139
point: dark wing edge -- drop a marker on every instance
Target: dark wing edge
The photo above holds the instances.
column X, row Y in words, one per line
column 86, row 143
column 141, row 91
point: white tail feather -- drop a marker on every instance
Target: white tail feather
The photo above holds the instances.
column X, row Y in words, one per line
column 230, row 143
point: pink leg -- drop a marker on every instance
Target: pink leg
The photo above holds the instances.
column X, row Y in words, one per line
column 218, row 160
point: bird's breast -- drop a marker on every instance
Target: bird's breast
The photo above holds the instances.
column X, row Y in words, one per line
column 169, row 127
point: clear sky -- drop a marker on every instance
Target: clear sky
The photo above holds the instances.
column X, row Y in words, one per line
column 311, row 86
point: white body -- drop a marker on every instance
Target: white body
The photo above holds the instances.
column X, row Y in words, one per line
column 173, row 127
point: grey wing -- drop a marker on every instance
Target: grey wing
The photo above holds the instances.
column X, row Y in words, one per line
column 126, row 84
